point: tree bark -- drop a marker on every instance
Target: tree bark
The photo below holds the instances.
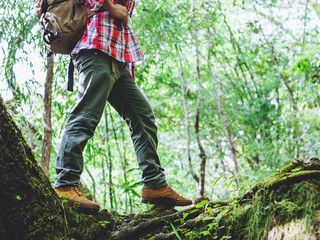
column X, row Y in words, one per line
column 220, row 104
column 93, row 197
column 202, row 154
column 47, row 140
column 113, row 203
column 226, row 122
column 186, row 118
column 30, row 209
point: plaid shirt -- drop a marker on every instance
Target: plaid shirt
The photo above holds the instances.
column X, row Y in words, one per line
column 102, row 33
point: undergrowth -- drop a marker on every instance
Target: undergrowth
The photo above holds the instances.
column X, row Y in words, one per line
column 251, row 218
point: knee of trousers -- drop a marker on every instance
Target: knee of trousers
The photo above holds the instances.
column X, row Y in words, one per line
column 83, row 122
column 144, row 139
column 142, row 125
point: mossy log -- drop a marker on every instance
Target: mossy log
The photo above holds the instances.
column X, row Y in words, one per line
column 275, row 208
column 29, row 207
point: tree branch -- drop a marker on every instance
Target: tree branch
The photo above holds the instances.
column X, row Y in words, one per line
column 186, row 118
column 202, row 154
column 47, row 140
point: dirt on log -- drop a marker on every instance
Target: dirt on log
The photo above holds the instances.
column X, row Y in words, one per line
column 283, row 206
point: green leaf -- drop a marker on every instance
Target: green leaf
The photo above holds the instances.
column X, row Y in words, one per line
column 184, row 216
column 201, row 204
column 208, row 218
column 221, row 214
column 215, row 182
column 206, row 233
column 175, row 231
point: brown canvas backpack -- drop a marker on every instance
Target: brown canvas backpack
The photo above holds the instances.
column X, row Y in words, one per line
column 62, row 23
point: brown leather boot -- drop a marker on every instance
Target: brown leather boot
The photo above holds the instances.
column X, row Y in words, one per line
column 164, row 195
column 76, row 197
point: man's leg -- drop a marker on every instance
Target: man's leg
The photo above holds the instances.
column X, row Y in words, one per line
column 127, row 98
column 95, row 83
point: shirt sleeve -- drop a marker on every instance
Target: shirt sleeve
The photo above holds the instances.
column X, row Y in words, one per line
column 95, row 5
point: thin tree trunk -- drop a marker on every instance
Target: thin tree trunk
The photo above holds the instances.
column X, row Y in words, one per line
column 221, row 157
column 109, row 164
column 225, row 121
column 121, row 160
column 220, row 104
column 104, row 180
column 276, row 62
column 93, row 184
column 284, row 79
column 186, row 118
column 124, row 164
column 47, row 140
column 202, row 154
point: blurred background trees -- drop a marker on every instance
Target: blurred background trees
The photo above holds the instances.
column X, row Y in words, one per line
column 248, row 70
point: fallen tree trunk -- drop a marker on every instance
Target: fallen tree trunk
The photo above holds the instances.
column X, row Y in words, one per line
column 29, row 207
column 275, row 208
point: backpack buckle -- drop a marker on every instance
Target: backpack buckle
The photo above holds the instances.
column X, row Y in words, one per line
column 49, row 36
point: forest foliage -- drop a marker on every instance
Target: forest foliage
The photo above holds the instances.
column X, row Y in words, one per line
column 258, row 61
column 282, row 206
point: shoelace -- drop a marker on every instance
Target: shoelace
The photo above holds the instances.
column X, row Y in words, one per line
column 80, row 192
column 174, row 191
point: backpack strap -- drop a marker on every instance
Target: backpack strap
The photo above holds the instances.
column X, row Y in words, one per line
column 70, row 75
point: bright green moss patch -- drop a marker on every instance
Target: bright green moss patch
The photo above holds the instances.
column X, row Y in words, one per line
column 287, row 197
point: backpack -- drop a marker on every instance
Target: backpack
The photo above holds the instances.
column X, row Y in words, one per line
column 62, row 23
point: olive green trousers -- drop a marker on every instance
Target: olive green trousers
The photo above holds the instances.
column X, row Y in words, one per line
column 100, row 81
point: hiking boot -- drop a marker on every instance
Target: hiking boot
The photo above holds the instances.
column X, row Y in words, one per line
column 76, row 197
column 164, row 195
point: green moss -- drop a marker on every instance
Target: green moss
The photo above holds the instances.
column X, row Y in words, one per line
column 285, row 197
column 156, row 210
column 288, row 196
column 29, row 207
column 296, row 163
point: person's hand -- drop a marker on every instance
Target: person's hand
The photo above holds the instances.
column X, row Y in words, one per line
column 120, row 12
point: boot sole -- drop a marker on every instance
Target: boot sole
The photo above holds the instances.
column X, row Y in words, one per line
column 167, row 201
column 83, row 205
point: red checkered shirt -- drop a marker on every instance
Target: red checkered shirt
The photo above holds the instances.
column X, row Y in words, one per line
column 102, row 33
